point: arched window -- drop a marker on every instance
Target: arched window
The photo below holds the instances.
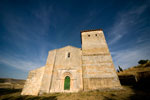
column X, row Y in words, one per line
column 67, row 83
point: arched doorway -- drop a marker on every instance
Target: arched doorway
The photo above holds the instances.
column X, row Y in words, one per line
column 67, row 83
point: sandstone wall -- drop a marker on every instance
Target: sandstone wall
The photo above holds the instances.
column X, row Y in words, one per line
column 98, row 68
column 33, row 82
column 93, row 42
column 67, row 66
column 47, row 77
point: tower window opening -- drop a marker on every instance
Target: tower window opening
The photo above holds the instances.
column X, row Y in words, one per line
column 88, row 35
column 95, row 34
column 69, row 55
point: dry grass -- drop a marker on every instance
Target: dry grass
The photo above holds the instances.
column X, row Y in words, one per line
column 135, row 69
column 127, row 93
column 11, row 83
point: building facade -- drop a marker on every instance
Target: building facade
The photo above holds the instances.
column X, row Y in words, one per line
column 72, row 69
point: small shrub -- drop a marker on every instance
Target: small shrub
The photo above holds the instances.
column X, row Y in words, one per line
column 120, row 69
column 143, row 61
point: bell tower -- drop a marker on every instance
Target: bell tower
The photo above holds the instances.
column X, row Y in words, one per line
column 93, row 42
column 98, row 68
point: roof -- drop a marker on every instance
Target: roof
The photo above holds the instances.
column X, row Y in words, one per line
column 91, row 30
column 70, row 47
column 65, row 47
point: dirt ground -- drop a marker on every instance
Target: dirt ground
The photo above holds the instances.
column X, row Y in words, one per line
column 127, row 93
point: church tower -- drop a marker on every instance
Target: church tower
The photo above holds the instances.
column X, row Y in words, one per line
column 71, row 69
column 97, row 64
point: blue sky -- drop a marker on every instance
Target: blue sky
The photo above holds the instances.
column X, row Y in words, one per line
column 30, row 28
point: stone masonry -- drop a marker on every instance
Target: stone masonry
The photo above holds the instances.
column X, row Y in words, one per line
column 89, row 68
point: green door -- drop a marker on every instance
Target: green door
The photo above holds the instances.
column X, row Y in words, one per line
column 67, row 83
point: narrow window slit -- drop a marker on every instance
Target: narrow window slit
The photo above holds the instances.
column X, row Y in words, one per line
column 68, row 54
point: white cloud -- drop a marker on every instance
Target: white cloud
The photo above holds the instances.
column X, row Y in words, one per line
column 124, row 22
column 130, row 57
column 19, row 63
column 28, row 36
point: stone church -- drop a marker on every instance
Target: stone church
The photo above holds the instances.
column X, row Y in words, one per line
column 71, row 69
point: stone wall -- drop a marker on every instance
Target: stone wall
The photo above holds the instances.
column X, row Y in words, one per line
column 101, row 83
column 33, row 82
column 67, row 66
column 98, row 68
column 47, row 77
column 93, row 42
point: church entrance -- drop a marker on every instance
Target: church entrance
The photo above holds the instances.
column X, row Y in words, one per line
column 67, row 83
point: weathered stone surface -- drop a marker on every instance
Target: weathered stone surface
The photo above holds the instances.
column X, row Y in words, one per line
column 67, row 66
column 98, row 68
column 93, row 42
column 47, row 77
column 33, row 82
column 89, row 69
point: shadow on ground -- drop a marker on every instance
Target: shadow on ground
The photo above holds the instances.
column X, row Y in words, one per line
column 4, row 91
column 141, row 90
column 30, row 98
column 14, row 94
